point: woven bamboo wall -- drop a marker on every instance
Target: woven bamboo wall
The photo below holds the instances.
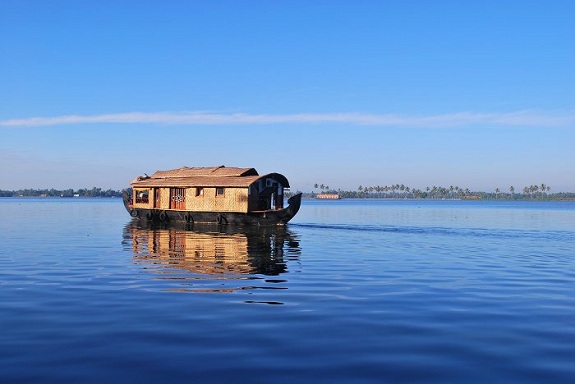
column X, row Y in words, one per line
column 234, row 200
column 164, row 198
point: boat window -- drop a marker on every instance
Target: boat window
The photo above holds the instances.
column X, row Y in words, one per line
column 142, row 196
column 219, row 191
column 199, row 191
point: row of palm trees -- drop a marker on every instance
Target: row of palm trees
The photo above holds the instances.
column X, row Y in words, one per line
column 435, row 192
column 401, row 190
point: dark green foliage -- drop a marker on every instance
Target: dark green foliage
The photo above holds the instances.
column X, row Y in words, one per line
column 82, row 192
column 400, row 191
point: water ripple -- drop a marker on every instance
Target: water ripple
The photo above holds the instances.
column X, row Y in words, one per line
column 355, row 292
column 444, row 231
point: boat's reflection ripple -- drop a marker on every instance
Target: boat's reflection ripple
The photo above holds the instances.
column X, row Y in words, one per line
column 211, row 258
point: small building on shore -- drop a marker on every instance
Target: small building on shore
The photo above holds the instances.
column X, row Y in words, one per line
column 328, row 196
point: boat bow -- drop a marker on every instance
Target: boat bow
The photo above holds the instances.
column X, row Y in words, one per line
column 294, row 204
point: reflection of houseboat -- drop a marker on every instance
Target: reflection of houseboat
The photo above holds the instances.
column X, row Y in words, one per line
column 223, row 195
column 212, row 249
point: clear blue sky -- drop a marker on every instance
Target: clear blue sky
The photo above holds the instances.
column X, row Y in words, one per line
column 478, row 94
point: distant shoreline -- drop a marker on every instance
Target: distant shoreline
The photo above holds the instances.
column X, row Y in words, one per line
column 558, row 199
column 401, row 192
column 59, row 197
column 434, row 194
column 443, row 199
column 61, row 193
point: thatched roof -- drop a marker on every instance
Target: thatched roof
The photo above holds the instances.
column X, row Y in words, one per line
column 220, row 171
column 205, row 177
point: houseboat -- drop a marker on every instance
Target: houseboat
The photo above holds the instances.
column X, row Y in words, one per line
column 222, row 195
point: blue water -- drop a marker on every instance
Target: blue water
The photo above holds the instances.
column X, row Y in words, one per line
column 352, row 291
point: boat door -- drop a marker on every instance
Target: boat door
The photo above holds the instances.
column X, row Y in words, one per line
column 156, row 198
column 177, row 198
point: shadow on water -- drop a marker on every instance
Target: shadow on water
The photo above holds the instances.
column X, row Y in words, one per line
column 204, row 253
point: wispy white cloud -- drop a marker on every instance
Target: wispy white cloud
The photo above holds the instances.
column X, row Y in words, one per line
column 521, row 118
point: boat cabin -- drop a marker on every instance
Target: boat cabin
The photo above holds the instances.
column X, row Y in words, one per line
column 209, row 189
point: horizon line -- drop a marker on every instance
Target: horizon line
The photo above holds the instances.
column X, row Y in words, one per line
column 517, row 118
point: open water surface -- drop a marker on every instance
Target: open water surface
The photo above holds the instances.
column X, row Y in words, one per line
column 351, row 291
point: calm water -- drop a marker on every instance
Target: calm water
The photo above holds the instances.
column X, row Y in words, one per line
column 352, row 291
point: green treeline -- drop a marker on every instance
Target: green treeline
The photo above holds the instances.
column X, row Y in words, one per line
column 401, row 191
column 397, row 191
column 82, row 192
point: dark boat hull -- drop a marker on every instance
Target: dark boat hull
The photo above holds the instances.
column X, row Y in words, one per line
column 268, row 217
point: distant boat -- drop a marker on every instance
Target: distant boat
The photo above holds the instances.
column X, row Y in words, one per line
column 328, row 196
column 222, row 195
